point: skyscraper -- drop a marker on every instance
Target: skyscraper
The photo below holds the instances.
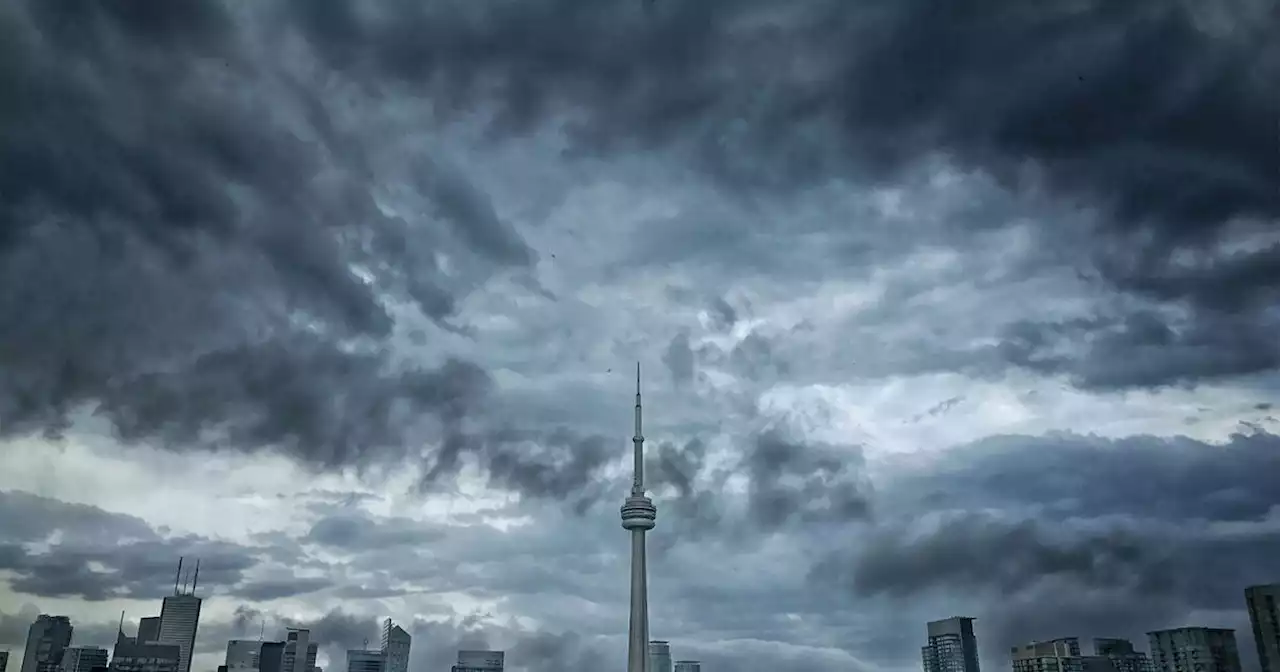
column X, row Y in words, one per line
column 243, row 655
column 1194, row 650
column 1116, row 655
column 148, row 630
column 688, row 666
column 47, row 638
column 180, row 618
column 4, row 661
column 1265, row 620
column 638, row 516
column 659, row 656
column 395, row 647
column 952, row 646
column 83, row 658
column 1055, row 655
column 129, row 655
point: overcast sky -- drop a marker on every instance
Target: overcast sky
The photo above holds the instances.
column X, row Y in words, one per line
column 944, row 308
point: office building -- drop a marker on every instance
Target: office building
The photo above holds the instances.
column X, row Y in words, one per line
column 395, row 647
column 479, row 661
column 659, row 656
column 1194, row 650
column 952, row 646
column 83, row 658
column 299, row 652
column 688, row 666
column 148, row 630
column 47, row 638
column 129, row 655
column 180, row 618
column 359, row 660
column 4, row 661
column 639, row 515
column 1056, row 655
column 271, row 657
column 1263, row 617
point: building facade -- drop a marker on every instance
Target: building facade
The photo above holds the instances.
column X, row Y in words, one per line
column 179, row 620
column 83, row 658
column 480, row 661
column 395, row 647
column 1265, row 620
column 952, row 646
column 1056, row 655
column 299, row 653
column 47, row 638
column 659, row 656
column 149, row 630
column 688, row 666
column 360, row 660
column 1194, row 650
column 130, row 656
column 243, row 655
column 4, row 661
column 1116, row 655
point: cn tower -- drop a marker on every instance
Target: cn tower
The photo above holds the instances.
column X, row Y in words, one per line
column 638, row 516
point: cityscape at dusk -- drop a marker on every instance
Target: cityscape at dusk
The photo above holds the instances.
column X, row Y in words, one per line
column 639, row 335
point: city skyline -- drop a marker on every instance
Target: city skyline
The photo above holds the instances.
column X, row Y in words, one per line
column 943, row 307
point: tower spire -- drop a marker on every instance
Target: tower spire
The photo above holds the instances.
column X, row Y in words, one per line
column 177, row 577
column 637, row 487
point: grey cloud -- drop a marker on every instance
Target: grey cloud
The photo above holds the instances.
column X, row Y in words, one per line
column 97, row 555
column 1165, row 126
column 679, row 358
column 186, row 267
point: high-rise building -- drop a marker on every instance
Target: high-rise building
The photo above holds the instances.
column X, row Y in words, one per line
column 47, row 638
column 659, row 656
column 180, row 618
column 131, row 656
column 1055, row 655
column 271, row 657
column 1194, row 650
column 688, row 666
column 83, row 658
column 479, row 661
column 299, row 652
column 952, row 646
column 395, row 647
column 1116, row 655
column 1263, row 616
column 360, row 660
column 4, row 661
column 639, row 515
column 148, row 630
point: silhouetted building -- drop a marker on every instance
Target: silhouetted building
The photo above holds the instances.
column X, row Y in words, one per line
column 1194, row 650
column 4, row 661
column 1055, row 655
column 271, row 657
column 688, row 666
column 479, row 661
column 952, row 646
column 395, row 647
column 148, row 630
column 102, row 668
column 83, row 658
column 47, row 638
column 1265, row 620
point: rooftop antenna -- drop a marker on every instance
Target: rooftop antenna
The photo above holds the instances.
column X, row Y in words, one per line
column 196, row 580
column 177, row 577
column 185, row 581
column 263, row 632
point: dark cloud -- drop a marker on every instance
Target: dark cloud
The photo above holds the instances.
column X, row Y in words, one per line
column 56, row 549
column 1166, row 126
column 679, row 358
column 206, row 267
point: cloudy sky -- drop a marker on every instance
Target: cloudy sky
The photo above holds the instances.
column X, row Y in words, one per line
column 944, row 308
